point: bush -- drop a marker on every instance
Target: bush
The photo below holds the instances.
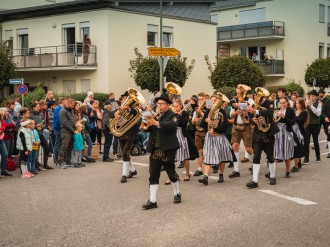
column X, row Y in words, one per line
column 102, row 97
column 320, row 71
column 230, row 92
column 37, row 94
column 292, row 86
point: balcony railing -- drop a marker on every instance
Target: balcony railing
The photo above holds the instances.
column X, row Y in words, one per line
column 271, row 67
column 55, row 56
column 252, row 30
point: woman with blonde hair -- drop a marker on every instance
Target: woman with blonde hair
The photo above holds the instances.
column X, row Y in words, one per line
column 50, row 98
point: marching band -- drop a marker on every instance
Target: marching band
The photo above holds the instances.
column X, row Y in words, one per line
column 281, row 129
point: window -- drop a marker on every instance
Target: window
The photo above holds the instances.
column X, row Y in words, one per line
column 321, row 50
column 152, row 35
column 328, row 21
column 85, row 85
column 214, row 18
column 167, row 36
column 252, row 16
column 328, row 50
column 321, row 13
column 84, row 29
column 69, row 86
column 9, row 38
column 23, row 40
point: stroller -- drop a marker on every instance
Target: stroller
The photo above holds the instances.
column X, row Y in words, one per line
column 138, row 147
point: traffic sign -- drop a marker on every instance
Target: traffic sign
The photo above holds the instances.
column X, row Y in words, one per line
column 163, row 52
column 22, row 89
column 16, row 81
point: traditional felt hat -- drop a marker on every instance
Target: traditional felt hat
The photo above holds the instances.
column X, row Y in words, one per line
column 164, row 97
column 125, row 94
column 313, row 92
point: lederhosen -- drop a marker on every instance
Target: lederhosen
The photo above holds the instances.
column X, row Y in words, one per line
column 163, row 144
column 200, row 135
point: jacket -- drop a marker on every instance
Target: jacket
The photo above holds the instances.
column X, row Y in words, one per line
column 38, row 118
column 222, row 126
column 56, row 118
column 24, row 140
column 289, row 119
column 167, row 133
column 78, row 142
column 67, row 120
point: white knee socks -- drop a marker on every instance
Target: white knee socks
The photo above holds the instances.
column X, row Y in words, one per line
column 256, row 169
column 131, row 166
column 126, row 167
column 329, row 146
column 272, row 169
column 236, row 164
column 176, row 187
column 153, row 192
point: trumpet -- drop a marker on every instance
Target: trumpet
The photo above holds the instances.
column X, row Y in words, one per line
column 185, row 107
column 277, row 115
column 155, row 115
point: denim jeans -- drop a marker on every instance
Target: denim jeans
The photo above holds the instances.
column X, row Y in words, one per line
column 90, row 145
column 10, row 147
column 57, row 145
column 107, row 143
column 115, row 145
column 4, row 155
column 45, row 132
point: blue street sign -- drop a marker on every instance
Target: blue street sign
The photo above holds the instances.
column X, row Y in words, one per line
column 22, row 89
column 16, row 81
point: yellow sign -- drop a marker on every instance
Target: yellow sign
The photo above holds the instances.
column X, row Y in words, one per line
column 163, row 52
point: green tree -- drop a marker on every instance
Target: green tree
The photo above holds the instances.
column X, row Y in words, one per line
column 320, row 70
column 36, row 95
column 145, row 71
column 234, row 70
column 7, row 65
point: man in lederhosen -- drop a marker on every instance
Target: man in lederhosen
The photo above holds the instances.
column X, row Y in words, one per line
column 162, row 146
column 200, row 132
column 263, row 140
column 242, row 129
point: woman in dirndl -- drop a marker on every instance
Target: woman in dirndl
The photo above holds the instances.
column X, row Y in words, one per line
column 217, row 149
column 299, row 132
column 284, row 141
column 187, row 150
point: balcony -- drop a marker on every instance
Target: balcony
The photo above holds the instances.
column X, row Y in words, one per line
column 251, row 31
column 272, row 68
column 55, row 58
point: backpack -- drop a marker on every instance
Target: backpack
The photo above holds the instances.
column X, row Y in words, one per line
column 10, row 165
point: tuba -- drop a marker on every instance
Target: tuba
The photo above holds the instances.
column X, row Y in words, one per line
column 241, row 97
column 263, row 123
column 215, row 115
column 128, row 119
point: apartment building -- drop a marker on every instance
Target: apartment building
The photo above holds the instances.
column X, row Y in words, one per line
column 47, row 41
column 291, row 33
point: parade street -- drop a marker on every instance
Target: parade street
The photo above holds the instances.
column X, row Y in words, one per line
column 90, row 207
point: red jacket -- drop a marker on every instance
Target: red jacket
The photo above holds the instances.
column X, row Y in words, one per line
column 9, row 130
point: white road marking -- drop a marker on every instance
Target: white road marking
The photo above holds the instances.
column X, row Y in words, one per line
column 290, row 198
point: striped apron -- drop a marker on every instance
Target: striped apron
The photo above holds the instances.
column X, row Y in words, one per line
column 183, row 152
column 284, row 143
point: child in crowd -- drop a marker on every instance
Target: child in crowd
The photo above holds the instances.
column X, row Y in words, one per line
column 24, row 145
column 32, row 159
column 78, row 145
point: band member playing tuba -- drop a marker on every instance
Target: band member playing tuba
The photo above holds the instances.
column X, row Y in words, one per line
column 263, row 135
column 242, row 129
column 200, row 131
column 131, row 99
column 162, row 147
column 217, row 149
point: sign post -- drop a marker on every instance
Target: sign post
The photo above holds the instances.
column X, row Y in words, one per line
column 21, row 89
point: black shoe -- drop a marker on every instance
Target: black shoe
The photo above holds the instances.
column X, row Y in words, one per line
column 181, row 165
column 305, row 162
column 177, row 198
column 38, row 169
column 272, row 181
column 83, row 159
column 328, row 156
column 318, row 159
column 131, row 174
column 6, row 174
column 221, row 180
column 252, row 185
column 108, row 160
column 35, row 173
column 287, row 175
column 149, row 205
column 294, row 169
column 204, row 180
column 234, row 174
column 77, row 165
column 90, row 160
column 123, row 179
column 267, row 175
column 47, row 167
column 198, row 173
column 231, row 165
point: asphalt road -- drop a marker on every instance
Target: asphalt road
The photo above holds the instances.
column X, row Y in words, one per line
column 90, row 207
